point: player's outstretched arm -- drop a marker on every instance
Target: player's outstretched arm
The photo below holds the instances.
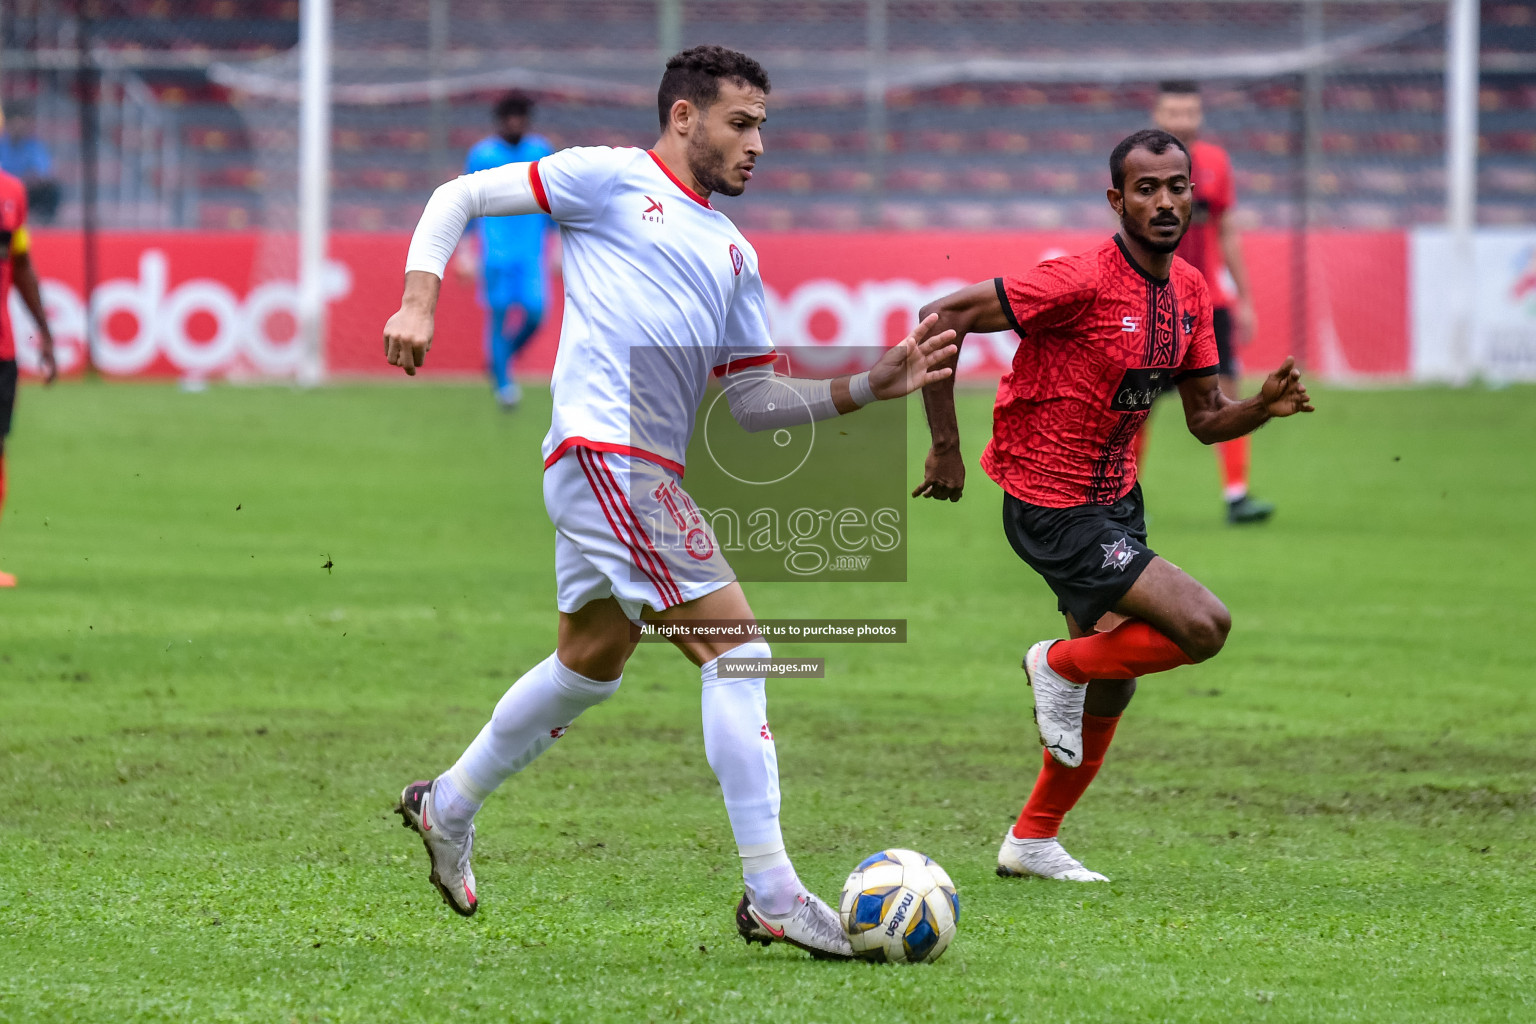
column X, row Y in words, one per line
column 26, row 283
column 924, row 357
column 762, row 400
column 1213, row 417
column 974, row 308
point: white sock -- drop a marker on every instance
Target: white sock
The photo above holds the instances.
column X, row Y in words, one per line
column 528, row 719
column 740, row 749
column 773, row 891
column 454, row 809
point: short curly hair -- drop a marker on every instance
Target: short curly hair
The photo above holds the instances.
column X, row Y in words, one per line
column 694, row 75
column 1153, row 140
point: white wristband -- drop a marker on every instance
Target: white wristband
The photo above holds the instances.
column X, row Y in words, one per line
column 859, row 389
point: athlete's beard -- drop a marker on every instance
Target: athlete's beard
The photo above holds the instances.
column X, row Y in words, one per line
column 708, row 166
column 512, row 138
column 1131, row 228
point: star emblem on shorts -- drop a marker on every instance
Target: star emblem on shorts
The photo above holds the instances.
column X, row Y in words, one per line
column 1118, row 555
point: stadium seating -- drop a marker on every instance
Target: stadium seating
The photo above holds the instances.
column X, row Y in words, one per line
column 963, row 155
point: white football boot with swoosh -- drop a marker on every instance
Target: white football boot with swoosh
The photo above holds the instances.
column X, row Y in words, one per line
column 811, row 925
column 451, row 873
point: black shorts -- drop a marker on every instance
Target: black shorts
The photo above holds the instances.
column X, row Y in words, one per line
column 7, row 395
column 1226, row 352
column 1089, row 554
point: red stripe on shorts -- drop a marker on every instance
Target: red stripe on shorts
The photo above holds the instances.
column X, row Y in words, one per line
column 599, row 490
column 640, row 527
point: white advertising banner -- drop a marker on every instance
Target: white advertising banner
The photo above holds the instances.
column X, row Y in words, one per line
column 1501, row 345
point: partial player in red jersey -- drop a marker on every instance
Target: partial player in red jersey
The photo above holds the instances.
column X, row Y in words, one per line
column 1212, row 246
column 1102, row 333
column 16, row 266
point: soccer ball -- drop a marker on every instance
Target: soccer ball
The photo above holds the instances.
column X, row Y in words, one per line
column 899, row 907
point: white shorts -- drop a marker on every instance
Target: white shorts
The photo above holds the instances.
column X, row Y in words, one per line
column 625, row 528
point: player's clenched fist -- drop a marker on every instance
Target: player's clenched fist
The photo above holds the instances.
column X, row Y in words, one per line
column 407, row 338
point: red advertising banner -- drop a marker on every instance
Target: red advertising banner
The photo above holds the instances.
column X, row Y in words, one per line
column 206, row 304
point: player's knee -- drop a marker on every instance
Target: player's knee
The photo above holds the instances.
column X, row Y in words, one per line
column 1206, row 632
column 595, row 657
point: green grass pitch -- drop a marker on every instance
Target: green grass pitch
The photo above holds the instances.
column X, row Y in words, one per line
column 203, row 730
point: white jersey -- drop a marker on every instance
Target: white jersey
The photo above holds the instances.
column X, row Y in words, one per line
column 660, row 291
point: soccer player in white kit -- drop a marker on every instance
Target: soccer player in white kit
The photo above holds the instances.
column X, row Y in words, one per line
column 661, row 291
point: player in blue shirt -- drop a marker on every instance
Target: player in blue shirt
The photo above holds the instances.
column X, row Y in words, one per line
column 511, row 248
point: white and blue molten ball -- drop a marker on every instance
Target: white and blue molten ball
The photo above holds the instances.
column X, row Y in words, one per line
column 899, row 907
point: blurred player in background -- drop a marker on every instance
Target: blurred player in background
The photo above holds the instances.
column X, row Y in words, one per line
column 664, row 292
column 1101, row 334
column 16, row 267
column 25, row 155
column 511, row 249
column 1212, row 246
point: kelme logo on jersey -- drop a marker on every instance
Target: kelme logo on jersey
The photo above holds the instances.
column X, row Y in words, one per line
column 1139, row 388
column 736, row 259
column 653, row 213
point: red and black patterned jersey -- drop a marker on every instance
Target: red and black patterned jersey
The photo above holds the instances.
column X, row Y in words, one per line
column 1215, row 195
column 13, row 226
column 1100, row 339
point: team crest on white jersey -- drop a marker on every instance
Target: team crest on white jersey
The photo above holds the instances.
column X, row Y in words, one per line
column 1118, row 555
column 737, row 259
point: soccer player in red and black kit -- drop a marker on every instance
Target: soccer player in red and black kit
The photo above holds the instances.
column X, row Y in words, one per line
column 1212, row 246
column 1102, row 333
column 16, row 265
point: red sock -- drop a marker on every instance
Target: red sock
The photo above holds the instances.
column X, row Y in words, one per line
column 1133, row 648
column 1234, row 467
column 1058, row 788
